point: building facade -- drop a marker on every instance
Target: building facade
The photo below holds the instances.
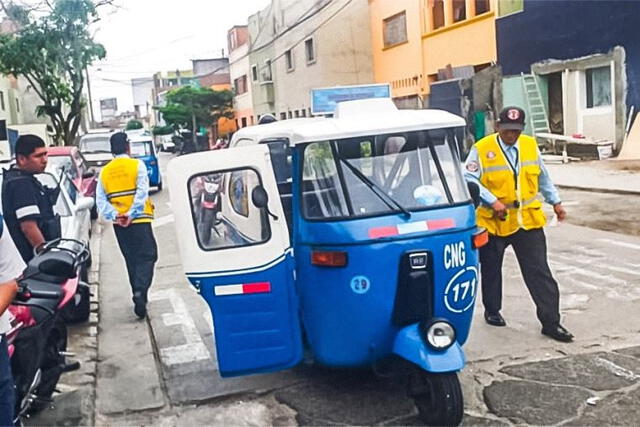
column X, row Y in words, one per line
column 142, row 91
column 417, row 43
column 319, row 44
column 586, row 58
column 240, row 73
column 262, row 33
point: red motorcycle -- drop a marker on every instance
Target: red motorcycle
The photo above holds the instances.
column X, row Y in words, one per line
column 208, row 204
column 38, row 336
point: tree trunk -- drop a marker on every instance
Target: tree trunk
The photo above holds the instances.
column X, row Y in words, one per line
column 195, row 131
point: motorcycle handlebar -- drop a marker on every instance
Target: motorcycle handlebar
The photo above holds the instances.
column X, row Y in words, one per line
column 25, row 294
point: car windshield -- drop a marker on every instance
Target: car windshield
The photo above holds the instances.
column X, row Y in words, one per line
column 60, row 162
column 95, row 144
column 140, row 148
column 382, row 174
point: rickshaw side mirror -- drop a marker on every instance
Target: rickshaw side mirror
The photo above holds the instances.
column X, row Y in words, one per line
column 474, row 191
column 259, row 197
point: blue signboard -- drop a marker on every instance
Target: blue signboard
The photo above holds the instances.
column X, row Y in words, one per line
column 324, row 101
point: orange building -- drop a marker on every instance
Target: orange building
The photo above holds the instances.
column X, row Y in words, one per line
column 418, row 42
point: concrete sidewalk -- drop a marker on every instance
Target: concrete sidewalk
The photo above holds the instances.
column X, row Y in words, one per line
column 605, row 176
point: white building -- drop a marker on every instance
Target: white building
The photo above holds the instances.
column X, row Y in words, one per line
column 239, row 69
column 142, row 90
column 320, row 43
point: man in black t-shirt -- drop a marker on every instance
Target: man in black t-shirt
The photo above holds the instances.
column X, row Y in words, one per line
column 26, row 204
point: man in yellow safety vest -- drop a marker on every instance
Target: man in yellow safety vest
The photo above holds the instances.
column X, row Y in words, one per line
column 510, row 173
column 122, row 196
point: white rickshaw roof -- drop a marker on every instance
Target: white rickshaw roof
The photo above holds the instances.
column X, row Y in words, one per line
column 352, row 119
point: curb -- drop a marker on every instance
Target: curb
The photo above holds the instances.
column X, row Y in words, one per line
column 600, row 190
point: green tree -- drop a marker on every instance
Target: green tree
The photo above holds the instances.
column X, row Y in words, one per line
column 52, row 51
column 191, row 108
column 134, row 125
column 162, row 130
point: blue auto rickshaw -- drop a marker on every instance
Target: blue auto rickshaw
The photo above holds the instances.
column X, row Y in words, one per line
column 353, row 237
column 143, row 148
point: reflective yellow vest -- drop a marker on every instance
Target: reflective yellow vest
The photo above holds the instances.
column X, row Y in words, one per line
column 119, row 179
column 498, row 176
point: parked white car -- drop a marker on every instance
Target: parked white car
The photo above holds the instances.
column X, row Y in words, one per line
column 96, row 149
column 165, row 143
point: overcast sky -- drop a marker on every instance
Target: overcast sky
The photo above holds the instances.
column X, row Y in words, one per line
column 146, row 36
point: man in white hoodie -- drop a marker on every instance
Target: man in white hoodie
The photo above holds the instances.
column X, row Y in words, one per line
column 11, row 267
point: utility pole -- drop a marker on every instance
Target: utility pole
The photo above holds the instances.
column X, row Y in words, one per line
column 92, row 120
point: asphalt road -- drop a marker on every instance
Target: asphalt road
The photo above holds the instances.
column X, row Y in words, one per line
column 176, row 380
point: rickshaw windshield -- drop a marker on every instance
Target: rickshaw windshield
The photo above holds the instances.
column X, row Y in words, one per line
column 382, row 174
column 140, row 148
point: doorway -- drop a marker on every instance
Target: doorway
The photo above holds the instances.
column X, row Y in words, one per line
column 555, row 97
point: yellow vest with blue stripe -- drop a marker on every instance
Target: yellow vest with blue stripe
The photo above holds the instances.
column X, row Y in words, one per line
column 119, row 180
column 517, row 190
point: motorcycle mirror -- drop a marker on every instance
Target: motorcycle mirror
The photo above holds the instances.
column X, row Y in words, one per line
column 259, row 197
column 474, row 191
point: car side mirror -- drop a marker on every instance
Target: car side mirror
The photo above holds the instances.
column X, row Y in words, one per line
column 84, row 203
column 474, row 191
column 89, row 174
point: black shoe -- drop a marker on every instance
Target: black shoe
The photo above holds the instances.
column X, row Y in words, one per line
column 494, row 319
column 140, row 309
column 139, row 306
column 558, row 333
column 71, row 366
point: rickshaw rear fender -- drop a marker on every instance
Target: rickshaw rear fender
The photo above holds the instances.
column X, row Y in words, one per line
column 410, row 346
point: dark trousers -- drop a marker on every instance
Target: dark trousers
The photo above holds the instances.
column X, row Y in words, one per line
column 138, row 246
column 530, row 247
column 7, row 395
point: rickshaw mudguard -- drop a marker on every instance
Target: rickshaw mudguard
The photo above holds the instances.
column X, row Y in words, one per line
column 410, row 346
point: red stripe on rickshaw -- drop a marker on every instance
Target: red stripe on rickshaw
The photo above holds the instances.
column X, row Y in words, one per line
column 441, row 224
column 377, row 233
column 256, row 288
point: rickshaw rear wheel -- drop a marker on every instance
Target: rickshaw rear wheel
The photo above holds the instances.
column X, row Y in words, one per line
column 438, row 398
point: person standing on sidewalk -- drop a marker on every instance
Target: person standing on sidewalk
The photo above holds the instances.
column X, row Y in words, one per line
column 510, row 173
column 26, row 203
column 122, row 196
column 11, row 267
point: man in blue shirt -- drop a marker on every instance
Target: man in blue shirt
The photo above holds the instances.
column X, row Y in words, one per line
column 122, row 196
column 509, row 171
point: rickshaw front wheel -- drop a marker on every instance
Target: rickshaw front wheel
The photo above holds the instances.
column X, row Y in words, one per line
column 438, row 397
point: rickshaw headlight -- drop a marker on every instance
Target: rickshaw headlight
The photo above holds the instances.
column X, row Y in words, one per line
column 440, row 335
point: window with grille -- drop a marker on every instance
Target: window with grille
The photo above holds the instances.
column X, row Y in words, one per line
column 288, row 57
column 459, row 10
column 482, row 6
column 437, row 13
column 598, row 87
column 240, row 85
column 395, row 29
column 310, row 51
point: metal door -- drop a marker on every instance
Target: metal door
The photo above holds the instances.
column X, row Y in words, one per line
column 239, row 257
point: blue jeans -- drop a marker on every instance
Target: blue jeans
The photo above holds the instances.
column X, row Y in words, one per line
column 7, row 393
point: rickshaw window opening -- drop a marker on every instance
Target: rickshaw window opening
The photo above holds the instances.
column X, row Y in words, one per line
column 232, row 229
column 343, row 183
column 443, row 178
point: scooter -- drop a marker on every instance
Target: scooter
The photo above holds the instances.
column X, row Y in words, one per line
column 38, row 336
